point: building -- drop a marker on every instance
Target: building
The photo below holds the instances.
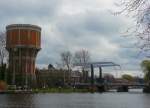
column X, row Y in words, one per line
column 57, row 77
column 23, row 44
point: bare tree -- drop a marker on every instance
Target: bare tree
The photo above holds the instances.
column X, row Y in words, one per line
column 82, row 57
column 140, row 11
column 3, row 54
column 66, row 58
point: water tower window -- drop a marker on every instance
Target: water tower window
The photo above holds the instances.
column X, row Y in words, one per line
column 33, row 37
column 15, row 36
column 24, row 35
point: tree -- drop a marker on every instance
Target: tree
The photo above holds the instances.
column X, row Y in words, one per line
column 140, row 11
column 127, row 77
column 146, row 69
column 109, row 77
column 82, row 57
column 50, row 66
column 66, row 58
column 3, row 54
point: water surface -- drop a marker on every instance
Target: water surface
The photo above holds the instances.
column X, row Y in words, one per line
column 133, row 99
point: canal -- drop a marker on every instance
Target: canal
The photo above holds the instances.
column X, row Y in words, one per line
column 132, row 99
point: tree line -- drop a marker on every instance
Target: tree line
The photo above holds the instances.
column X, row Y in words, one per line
column 69, row 60
column 3, row 56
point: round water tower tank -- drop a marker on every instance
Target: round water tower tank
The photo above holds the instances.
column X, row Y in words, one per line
column 24, row 36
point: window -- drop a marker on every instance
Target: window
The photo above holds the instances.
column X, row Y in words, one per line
column 24, row 36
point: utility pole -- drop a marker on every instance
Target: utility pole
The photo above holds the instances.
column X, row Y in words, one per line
column 92, row 78
column 100, row 74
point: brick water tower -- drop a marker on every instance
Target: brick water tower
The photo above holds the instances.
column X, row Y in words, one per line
column 23, row 43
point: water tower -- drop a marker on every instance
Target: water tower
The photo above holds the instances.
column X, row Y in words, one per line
column 23, row 43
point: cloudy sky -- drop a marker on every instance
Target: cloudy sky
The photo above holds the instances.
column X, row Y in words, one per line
column 73, row 25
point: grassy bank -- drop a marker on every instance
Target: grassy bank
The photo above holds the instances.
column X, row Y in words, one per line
column 46, row 90
column 60, row 90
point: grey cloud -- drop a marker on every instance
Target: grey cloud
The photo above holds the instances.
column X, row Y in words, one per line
column 70, row 31
column 28, row 7
column 84, row 30
column 28, row 11
column 89, row 22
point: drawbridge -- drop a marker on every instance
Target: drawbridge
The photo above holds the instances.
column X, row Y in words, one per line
column 99, row 65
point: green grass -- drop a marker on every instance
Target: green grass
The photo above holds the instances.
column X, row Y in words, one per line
column 60, row 90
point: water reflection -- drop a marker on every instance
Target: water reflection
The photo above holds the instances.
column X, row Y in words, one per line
column 76, row 100
column 17, row 101
column 66, row 101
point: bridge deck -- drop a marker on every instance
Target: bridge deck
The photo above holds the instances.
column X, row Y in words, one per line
column 125, row 84
column 113, row 84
